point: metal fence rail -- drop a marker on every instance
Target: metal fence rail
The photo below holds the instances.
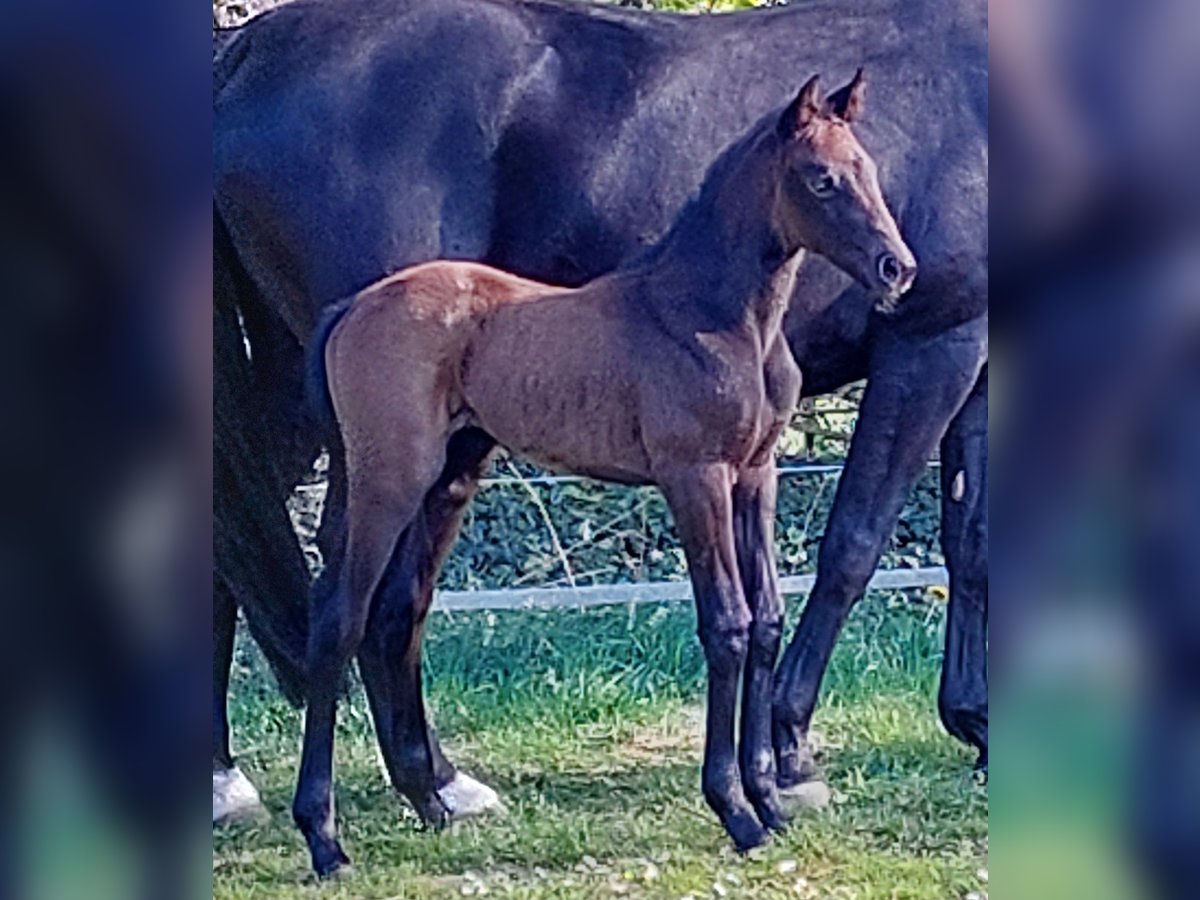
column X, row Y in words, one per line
column 651, row 592
column 654, row 591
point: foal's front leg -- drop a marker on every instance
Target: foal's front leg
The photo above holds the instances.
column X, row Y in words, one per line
column 754, row 499
column 701, row 502
column 754, row 533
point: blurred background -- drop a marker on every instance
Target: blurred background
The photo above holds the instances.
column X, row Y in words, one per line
column 1095, row 497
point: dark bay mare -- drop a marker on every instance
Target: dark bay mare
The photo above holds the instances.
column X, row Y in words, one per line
column 557, row 140
column 672, row 370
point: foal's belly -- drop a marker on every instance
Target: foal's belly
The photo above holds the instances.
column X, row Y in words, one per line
column 566, row 432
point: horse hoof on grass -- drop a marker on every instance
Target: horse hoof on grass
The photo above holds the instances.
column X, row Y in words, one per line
column 804, row 796
column 465, row 798
column 332, row 865
column 980, row 771
column 773, row 815
column 235, row 799
column 747, row 833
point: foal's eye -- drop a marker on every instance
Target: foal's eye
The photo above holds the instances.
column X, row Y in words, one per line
column 823, row 184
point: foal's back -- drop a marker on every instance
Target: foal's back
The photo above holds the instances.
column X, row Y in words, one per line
column 545, row 370
column 453, row 292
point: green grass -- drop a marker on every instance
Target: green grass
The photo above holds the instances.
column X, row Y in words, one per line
column 588, row 722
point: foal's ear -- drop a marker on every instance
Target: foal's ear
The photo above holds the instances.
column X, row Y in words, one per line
column 802, row 110
column 847, row 102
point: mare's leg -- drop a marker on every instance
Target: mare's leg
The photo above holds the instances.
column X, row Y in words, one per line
column 963, row 695
column 916, row 385
column 224, row 629
column 385, row 494
column 701, row 502
column 234, row 796
column 754, row 530
column 257, row 564
column 390, row 657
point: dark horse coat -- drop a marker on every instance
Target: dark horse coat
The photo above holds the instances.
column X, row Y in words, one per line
column 554, row 140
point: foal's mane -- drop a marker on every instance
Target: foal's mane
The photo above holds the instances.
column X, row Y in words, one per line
column 727, row 166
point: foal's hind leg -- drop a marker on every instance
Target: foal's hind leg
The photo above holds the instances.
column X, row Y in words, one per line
column 700, row 498
column 385, row 493
column 390, row 657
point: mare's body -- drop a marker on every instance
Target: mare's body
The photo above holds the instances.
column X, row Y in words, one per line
column 557, row 140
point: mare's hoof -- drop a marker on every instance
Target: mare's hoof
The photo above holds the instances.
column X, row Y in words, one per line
column 981, row 768
column 234, row 798
column 804, row 796
column 330, row 863
column 465, row 798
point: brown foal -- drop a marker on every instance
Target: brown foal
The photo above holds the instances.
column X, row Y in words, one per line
column 671, row 371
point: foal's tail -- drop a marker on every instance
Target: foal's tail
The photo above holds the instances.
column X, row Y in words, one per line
column 316, row 380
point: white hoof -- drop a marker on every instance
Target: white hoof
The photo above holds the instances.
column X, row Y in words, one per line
column 806, row 795
column 234, row 797
column 464, row 797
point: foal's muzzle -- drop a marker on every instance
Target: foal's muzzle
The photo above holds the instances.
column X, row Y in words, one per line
column 895, row 275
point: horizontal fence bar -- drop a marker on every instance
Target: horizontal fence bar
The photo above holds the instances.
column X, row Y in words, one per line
column 652, row 592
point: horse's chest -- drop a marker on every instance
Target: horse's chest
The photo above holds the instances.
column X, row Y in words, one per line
column 729, row 415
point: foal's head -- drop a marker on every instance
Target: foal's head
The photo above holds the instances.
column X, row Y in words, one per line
column 832, row 196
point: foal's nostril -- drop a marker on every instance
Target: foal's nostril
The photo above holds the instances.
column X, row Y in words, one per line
column 890, row 269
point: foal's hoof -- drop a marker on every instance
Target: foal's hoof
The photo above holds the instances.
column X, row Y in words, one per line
column 795, row 759
column 771, row 812
column 465, row 798
column 235, row 799
column 796, row 767
column 746, row 832
column 330, row 863
column 804, row 796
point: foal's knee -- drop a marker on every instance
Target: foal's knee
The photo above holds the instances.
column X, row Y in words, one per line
column 726, row 647
column 766, row 632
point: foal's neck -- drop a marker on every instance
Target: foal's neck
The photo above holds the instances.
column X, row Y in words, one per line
column 728, row 254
